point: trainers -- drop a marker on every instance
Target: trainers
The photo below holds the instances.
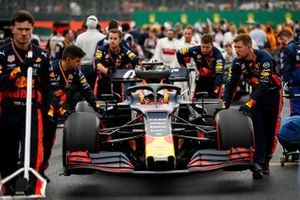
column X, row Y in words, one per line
column 257, row 172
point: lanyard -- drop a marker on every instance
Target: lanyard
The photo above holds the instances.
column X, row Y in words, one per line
column 116, row 62
column 64, row 76
column 16, row 52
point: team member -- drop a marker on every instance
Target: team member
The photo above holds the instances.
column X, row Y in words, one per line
column 110, row 57
column 15, row 58
column 290, row 67
column 113, row 24
column 265, row 103
column 187, row 42
column 210, row 64
column 165, row 50
column 87, row 41
column 65, row 76
column 60, row 46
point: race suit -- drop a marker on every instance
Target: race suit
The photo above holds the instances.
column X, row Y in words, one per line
column 14, row 63
column 265, row 100
column 190, row 63
column 62, row 82
column 165, row 52
column 210, row 68
column 290, row 69
column 121, row 59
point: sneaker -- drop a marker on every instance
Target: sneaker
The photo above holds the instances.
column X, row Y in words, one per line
column 257, row 172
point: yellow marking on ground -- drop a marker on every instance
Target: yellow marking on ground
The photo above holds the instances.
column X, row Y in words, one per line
column 286, row 164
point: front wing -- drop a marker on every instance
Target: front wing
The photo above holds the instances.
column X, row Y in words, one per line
column 202, row 160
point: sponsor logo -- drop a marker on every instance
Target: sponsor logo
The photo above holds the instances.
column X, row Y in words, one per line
column 131, row 55
column 219, row 67
column 10, row 66
column 11, row 58
column 38, row 60
column 266, row 65
column 264, row 73
column 52, row 74
column 83, row 81
column 99, row 54
column 21, row 82
column 219, row 61
column 183, row 51
column 44, row 54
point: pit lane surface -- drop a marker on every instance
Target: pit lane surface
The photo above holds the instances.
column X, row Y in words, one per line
column 281, row 184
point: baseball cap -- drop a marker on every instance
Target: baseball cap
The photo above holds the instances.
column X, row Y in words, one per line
column 91, row 22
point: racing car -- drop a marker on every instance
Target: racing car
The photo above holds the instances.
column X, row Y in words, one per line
column 153, row 131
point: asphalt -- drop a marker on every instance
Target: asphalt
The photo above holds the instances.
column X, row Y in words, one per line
column 282, row 183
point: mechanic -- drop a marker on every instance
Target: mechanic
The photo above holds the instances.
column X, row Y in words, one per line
column 110, row 57
column 113, row 24
column 87, row 41
column 210, row 65
column 15, row 58
column 65, row 76
column 60, row 46
column 264, row 106
column 290, row 68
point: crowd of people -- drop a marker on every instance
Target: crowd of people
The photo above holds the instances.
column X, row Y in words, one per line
column 83, row 63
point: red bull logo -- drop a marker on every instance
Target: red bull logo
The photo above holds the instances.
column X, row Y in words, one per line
column 206, row 72
column 18, row 94
column 21, row 82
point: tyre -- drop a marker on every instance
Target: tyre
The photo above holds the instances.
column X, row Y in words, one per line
column 84, row 106
column 80, row 132
column 234, row 130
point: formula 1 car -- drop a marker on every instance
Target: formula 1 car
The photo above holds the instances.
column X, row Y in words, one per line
column 154, row 132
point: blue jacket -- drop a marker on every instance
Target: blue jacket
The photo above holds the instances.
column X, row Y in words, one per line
column 290, row 63
column 208, row 65
column 259, row 73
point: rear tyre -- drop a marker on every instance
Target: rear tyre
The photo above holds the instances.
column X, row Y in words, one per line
column 234, row 130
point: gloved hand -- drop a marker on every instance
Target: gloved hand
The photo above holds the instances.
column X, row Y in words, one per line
column 246, row 110
column 110, row 71
column 50, row 115
column 215, row 93
column 98, row 109
column 15, row 73
column 223, row 107
column 64, row 114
